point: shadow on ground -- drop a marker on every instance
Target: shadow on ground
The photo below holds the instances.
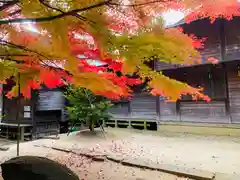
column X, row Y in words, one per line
column 4, row 142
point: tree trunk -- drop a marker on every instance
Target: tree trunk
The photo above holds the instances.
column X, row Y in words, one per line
column 91, row 125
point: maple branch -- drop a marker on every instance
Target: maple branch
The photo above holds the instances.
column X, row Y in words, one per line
column 10, row 59
column 50, row 18
column 12, row 55
column 139, row 4
column 26, row 55
column 14, row 13
column 22, row 48
column 22, row 62
column 59, row 10
column 7, row 4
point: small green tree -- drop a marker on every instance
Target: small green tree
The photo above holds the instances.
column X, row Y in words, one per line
column 86, row 108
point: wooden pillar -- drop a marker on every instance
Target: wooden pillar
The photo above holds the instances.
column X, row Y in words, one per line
column 222, row 35
column 33, row 110
column 145, row 124
column 129, row 114
column 22, row 130
column 158, row 108
column 178, row 113
column 1, row 104
column 129, row 124
column 116, row 124
column 227, row 101
column 18, row 113
column 129, row 108
column 210, row 76
column 104, row 123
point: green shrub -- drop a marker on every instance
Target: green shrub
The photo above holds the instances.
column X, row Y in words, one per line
column 86, row 108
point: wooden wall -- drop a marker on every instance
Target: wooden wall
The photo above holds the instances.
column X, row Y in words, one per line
column 232, row 37
column 120, row 109
column 234, row 92
column 48, row 111
column 201, row 29
column 205, row 112
column 168, row 111
column 11, row 108
column 210, row 77
column 50, row 99
column 185, row 111
column 234, row 97
column 143, row 105
column 223, row 43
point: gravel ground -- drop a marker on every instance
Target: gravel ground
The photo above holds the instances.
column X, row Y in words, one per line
column 209, row 153
column 88, row 169
column 4, row 142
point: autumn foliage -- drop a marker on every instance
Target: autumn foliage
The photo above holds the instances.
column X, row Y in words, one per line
column 65, row 36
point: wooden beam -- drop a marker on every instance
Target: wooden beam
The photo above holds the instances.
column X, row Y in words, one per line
column 33, row 110
column 178, row 112
column 222, row 37
column 210, row 76
column 129, row 108
column 227, row 101
column 158, row 107
column 18, row 113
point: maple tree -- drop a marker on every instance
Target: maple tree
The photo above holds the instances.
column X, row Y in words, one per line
column 67, row 34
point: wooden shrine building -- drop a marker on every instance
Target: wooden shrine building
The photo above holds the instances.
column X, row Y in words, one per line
column 221, row 82
column 39, row 116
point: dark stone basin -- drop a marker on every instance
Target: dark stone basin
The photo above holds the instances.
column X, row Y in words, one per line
column 35, row 168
